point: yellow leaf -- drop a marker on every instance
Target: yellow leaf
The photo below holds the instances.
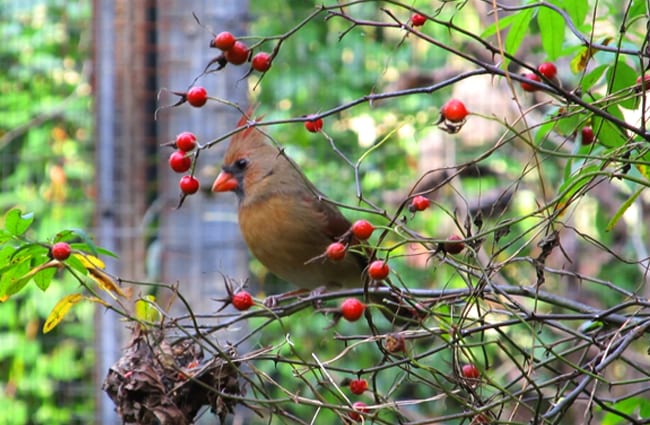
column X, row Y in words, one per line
column 579, row 62
column 105, row 282
column 60, row 310
column 144, row 310
column 90, row 261
column 98, row 301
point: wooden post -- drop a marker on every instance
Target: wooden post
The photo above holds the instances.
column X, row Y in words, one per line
column 141, row 47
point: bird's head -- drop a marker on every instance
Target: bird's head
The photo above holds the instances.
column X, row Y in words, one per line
column 252, row 167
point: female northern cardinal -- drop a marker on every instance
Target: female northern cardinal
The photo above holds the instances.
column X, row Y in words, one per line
column 282, row 218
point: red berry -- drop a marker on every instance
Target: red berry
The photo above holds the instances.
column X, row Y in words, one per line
column 587, row 135
column 362, row 229
column 224, row 41
column 188, row 185
column 358, row 386
column 261, row 62
column 419, row 203
column 237, row 54
column 470, row 371
column 242, row 300
column 378, row 270
column 418, row 20
column 454, row 110
column 180, row 162
column 186, row 141
column 527, row 86
column 480, row 420
column 548, row 70
column 60, row 251
column 453, row 246
column 314, row 126
column 197, row 96
column 336, row 251
column 643, row 81
column 352, row 309
column 360, row 407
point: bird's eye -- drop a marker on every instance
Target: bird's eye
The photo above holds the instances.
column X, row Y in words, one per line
column 242, row 163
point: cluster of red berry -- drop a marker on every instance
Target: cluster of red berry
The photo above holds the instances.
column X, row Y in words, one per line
column 180, row 161
column 237, row 52
column 548, row 70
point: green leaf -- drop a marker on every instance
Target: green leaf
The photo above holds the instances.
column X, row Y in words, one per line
column 551, row 26
column 622, row 76
column 518, row 30
column 629, row 201
column 504, row 23
column 13, row 280
column 607, row 132
column 74, row 262
column 543, row 131
column 577, row 10
column 44, row 277
column 577, row 181
column 591, row 78
column 17, row 223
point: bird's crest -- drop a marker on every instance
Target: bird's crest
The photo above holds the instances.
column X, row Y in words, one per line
column 249, row 123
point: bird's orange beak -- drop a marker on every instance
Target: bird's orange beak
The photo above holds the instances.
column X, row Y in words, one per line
column 225, row 182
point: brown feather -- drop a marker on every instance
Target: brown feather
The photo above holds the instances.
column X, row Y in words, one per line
column 283, row 219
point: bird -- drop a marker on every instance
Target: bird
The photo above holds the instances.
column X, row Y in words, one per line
column 285, row 221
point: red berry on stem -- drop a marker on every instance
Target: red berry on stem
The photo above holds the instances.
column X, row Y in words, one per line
column 188, row 185
column 587, row 135
column 197, row 96
column 418, row 20
column 261, row 62
column 186, row 141
column 527, row 86
column 179, row 162
column 237, row 54
column 60, row 251
column 314, row 126
column 358, row 386
column 362, row 229
column 643, row 81
column 453, row 246
column 242, row 300
column 470, row 371
column 454, row 110
column 419, row 203
column 224, row 41
column 480, row 420
column 378, row 270
column 360, row 407
column 352, row 309
column 548, row 70
column 336, row 251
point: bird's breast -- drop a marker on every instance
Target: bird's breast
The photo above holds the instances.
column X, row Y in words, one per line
column 287, row 235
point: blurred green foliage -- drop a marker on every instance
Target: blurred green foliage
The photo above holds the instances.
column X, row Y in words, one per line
column 46, row 158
